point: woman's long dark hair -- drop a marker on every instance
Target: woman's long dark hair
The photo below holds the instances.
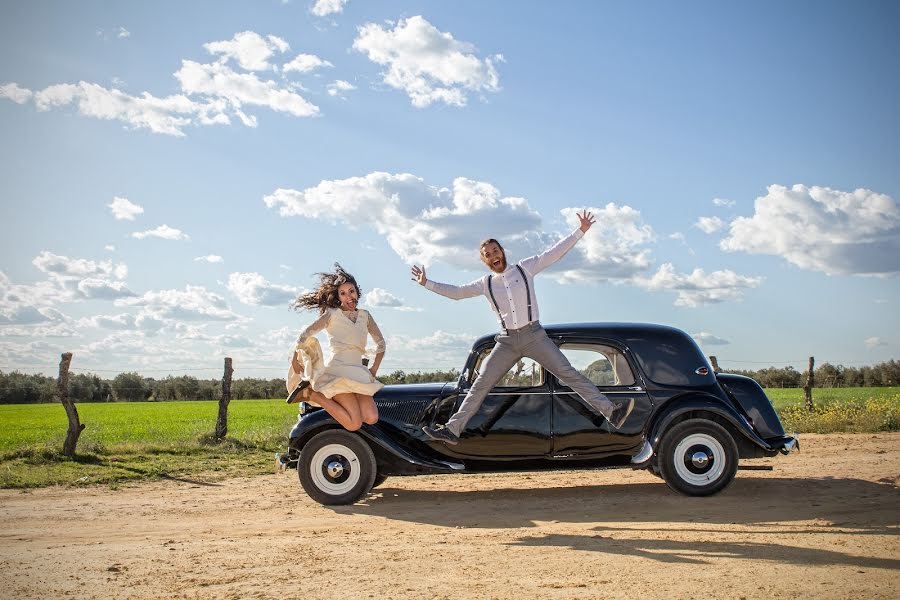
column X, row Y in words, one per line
column 326, row 295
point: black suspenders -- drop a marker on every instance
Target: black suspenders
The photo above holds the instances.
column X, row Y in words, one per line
column 494, row 300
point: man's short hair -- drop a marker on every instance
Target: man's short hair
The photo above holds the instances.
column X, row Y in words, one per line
column 490, row 241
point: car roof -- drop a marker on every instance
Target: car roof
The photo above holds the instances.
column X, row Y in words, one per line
column 608, row 330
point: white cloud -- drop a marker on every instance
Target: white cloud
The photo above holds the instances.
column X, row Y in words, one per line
column 23, row 314
column 337, row 87
column 873, row 342
column 79, row 268
column 237, row 89
column 251, row 50
column 823, row 230
column 122, row 321
column 12, row 91
column 421, row 223
column 123, row 33
column 209, row 258
column 709, row 224
column 39, row 331
column 124, row 209
column 677, row 236
column 426, row 63
column 211, row 92
column 254, row 289
column 424, row 224
column 698, row 288
column 304, row 63
column 382, row 298
column 163, row 232
column 723, row 202
column 109, row 248
column 613, row 248
column 323, row 8
column 707, row 339
column 194, row 303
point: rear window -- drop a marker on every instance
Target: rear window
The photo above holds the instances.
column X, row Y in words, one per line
column 670, row 358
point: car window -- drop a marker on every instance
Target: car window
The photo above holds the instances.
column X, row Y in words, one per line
column 603, row 365
column 525, row 373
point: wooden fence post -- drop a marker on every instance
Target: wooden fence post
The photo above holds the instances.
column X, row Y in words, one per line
column 808, row 386
column 715, row 363
column 222, row 420
column 62, row 390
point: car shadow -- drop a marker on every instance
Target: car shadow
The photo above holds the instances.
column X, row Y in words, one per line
column 704, row 551
column 864, row 506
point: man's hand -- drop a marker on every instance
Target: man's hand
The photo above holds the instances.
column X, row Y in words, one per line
column 586, row 218
column 419, row 274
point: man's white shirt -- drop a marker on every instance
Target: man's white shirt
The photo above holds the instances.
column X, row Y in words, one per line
column 510, row 291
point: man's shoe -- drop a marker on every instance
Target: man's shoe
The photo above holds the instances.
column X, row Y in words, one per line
column 620, row 412
column 439, row 433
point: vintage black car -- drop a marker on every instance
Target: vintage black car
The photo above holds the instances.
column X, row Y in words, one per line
column 689, row 425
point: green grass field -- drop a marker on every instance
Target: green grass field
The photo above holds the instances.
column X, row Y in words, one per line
column 153, row 440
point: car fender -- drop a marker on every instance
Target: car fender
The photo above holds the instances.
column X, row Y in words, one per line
column 318, row 421
column 673, row 410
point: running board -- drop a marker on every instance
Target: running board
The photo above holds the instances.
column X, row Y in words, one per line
column 755, row 467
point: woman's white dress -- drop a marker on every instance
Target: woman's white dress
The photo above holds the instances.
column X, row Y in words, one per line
column 345, row 372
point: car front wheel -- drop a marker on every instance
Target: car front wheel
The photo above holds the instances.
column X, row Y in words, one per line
column 698, row 457
column 336, row 467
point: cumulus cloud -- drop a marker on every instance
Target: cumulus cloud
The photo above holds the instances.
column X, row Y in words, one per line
column 250, row 50
column 209, row 258
column 338, row 87
column 709, row 224
column 254, row 289
column 121, row 321
column 123, row 33
column 382, row 298
column 124, row 210
column 12, row 91
column 323, row 8
column 424, row 223
column 821, row 229
column 211, row 93
column 426, row 63
column 304, row 63
column 109, row 248
column 420, row 222
column 723, row 202
column 163, row 232
column 707, row 339
column 194, row 303
column 873, row 342
column 698, row 288
column 23, row 314
column 80, row 268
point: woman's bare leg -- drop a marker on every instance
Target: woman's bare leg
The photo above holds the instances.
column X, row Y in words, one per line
column 334, row 409
column 367, row 409
column 351, row 405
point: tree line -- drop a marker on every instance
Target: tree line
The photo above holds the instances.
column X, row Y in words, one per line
column 22, row 388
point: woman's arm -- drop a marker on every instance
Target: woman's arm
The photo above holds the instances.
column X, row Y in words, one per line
column 315, row 327
column 379, row 343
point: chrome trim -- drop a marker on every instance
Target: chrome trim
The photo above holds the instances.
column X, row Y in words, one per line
column 645, row 454
column 790, row 445
column 604, row 392
column 335, row 469
column 451, row 465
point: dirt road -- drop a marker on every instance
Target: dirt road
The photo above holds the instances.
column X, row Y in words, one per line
column 824, row 523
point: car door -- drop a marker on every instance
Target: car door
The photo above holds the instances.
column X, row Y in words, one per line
column 576, row 429
column 514, row 421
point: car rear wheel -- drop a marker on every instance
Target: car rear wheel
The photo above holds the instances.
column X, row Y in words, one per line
column 379, row 479
column 336, row 467
column 698, row 457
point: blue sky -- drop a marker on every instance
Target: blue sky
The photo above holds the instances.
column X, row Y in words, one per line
column 174, row 173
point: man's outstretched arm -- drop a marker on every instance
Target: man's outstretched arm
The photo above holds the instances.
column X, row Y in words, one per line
column 455, row 292
column 536, row 264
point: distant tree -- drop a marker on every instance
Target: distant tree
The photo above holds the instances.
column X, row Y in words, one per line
column 129, row 387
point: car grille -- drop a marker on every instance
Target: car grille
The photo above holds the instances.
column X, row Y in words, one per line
column 399, row 411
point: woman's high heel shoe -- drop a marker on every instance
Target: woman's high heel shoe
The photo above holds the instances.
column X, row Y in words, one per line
column 303, row 392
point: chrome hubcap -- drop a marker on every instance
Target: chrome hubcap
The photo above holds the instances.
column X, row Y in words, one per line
column 699, row 459
column 335, row 469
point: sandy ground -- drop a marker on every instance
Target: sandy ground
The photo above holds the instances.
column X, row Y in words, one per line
column 824, row 523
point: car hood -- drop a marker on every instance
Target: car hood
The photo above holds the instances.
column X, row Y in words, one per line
column 405, row 390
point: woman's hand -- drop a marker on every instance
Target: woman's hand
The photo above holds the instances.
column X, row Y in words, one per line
column 419, row 274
